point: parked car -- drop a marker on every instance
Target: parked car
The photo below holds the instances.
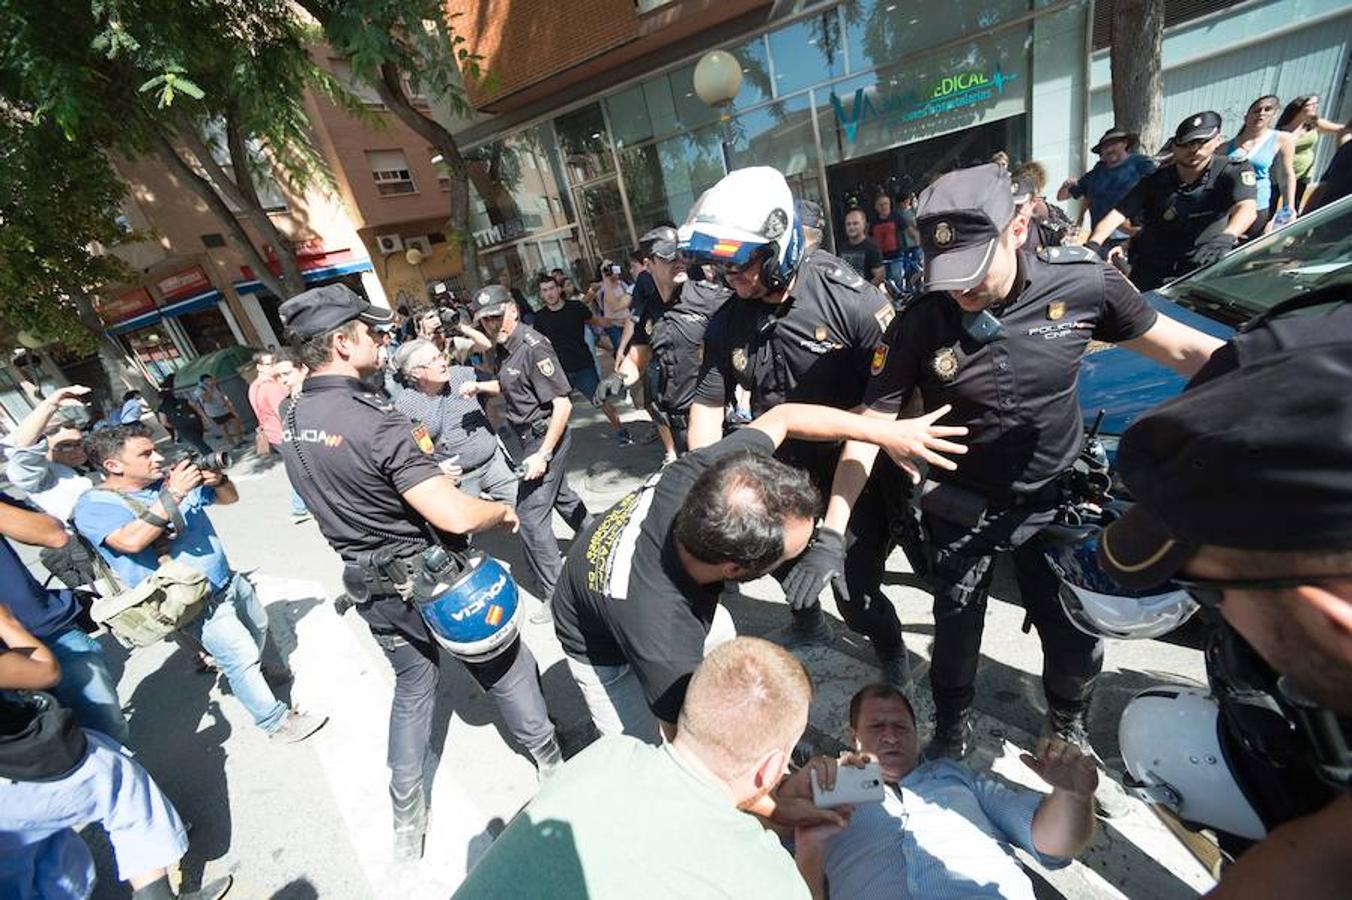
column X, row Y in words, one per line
column 1312, row 252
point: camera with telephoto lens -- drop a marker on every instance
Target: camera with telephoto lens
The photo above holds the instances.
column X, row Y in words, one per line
column 214, row 461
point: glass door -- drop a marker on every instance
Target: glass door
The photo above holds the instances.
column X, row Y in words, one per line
column 605, row 228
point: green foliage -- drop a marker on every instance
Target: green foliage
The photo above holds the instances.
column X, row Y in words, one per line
column 58, row 199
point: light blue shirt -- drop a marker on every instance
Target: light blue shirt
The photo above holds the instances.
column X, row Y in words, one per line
column 100, row 512
column 945, row 831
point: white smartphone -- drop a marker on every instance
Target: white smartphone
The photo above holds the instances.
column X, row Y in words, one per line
column 853, row 785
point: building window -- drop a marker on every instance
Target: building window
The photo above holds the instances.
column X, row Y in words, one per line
column 390, row 170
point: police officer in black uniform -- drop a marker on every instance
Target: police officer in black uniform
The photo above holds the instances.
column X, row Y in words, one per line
column 803, row 329
column 535, row 392
column 1190, row 213
column 368, row 475
column 999, row 338
column 669, row 334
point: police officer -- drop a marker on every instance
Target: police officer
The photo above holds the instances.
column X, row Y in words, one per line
column 368, row 475
column 1242, row 499
column 535, row 392
column 669, row 333
column 803, row 329
column 999, row 337
column 1190, row 213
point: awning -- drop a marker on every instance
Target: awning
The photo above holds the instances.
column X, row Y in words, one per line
column 139, row 322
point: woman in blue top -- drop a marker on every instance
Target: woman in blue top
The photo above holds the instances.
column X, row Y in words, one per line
column 1262, row 145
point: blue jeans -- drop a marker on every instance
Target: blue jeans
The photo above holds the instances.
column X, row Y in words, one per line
column 297, row 504
column 233, row 628
column 87, row 687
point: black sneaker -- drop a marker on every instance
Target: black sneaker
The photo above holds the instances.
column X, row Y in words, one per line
column 952, row 737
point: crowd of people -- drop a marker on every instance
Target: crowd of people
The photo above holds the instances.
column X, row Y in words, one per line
column 773, row 372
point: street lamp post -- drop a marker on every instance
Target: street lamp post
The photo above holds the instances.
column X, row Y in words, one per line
column 718, row 78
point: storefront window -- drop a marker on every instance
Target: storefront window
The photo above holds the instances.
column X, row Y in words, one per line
column 879, row 32
column 156, row 350
column 603, row 213
column 778, row 135
column 981, row 81
column 517, row 187
column 207, row 329
column 807, row 53
column 584, row 143
column 756, row 85
column 664, row 179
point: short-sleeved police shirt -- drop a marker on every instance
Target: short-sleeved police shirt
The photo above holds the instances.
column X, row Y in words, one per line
column 529, row 376
column 623, row 596
column 350, row 454
column 675, row 332
column 816, row 346
column 565, row 328
column 1175, row 217
column 1017, row 395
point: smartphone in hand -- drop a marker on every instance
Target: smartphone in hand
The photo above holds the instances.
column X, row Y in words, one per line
column 853, row 785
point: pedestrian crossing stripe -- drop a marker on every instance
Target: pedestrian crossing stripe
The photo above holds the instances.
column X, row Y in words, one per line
column 494, row 615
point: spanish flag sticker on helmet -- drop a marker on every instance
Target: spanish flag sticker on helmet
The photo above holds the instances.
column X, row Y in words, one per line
column 494, row 615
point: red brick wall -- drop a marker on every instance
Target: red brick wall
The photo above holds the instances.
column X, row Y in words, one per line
column 525, row 41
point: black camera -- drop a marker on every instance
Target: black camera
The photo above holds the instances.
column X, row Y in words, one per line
column 214, row 461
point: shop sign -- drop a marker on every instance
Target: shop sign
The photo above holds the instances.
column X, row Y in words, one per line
column 181, row 285
column 504, row 231
column 124, row 306
column 950, row 92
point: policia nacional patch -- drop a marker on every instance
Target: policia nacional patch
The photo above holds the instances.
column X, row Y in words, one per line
column 945, row 364
column 879, row 360
column 546, row 367
column 423, row 439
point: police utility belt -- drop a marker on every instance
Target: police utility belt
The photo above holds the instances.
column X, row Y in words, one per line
column 383, row 572
column 537, row 429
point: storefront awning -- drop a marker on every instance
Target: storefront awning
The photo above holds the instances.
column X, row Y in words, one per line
column 139, row 322
column 317, row 263
column 204, row 300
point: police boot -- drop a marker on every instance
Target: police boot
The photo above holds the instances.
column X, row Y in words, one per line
column 810, row 628
column 410, row 823
column 896, row 669
column 548, row 757
column 952, row 735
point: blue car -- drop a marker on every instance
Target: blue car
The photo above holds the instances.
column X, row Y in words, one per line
column 1313, row 252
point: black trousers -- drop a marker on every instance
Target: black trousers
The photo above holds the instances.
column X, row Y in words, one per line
column 512, row 678
column 868, row 539
column 963, row 565
column 535, row 504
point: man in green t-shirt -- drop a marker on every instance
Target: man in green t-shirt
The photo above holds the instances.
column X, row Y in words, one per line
column 625, row 819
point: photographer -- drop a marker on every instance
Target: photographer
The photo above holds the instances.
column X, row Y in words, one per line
column 144, row 516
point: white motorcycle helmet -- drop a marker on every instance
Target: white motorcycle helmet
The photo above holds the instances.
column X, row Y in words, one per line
column 1101, row 607
column 748, row 210
column 1171, row 745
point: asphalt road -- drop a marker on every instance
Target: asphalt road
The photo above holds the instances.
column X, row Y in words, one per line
column 312, row 820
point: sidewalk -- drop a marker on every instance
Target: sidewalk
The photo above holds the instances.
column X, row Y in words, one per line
column 312, row 819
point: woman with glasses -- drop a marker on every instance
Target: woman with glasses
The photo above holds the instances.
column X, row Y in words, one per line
column 1262, row 145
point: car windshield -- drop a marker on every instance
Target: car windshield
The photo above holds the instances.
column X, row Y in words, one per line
column 1313, row 252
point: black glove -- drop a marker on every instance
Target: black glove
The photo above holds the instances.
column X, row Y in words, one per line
column 1212, row 249
column 610, row 388
column 1094, row 246
column 822, row 564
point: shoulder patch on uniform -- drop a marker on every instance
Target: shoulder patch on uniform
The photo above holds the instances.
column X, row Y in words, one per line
column 375, row 401
column 1067, row 254
column 879, row 359
column 546, row 367
column 1249, row 178
column 422, row 438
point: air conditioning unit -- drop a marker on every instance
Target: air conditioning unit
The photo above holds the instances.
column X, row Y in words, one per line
column 421, row 242
column 389, row 243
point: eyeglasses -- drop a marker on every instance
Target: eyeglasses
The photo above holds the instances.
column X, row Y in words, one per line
column 1210, row 592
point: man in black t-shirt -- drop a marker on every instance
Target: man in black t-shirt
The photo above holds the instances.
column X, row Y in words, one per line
column 861, row 253
column 637, row 601
column 564, row 322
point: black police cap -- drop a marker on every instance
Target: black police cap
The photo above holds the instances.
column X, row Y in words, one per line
column 313, row 312
column 1258, row 459
column 1202, row 126
column 491, row 300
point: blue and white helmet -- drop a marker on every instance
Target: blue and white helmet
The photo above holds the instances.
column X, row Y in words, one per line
column 1101, row 607
column 748, row 210
column 478, row 615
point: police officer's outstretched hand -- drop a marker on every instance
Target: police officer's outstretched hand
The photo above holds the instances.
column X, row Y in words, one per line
column 610, row 388
column 822, row 564
column 915, row 439
column 1212, row 249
